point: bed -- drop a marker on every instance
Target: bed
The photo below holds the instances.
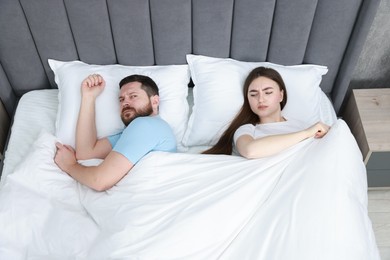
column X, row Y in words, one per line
column 308, row 202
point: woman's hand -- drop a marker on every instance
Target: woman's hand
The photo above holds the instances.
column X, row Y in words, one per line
column 318, row 130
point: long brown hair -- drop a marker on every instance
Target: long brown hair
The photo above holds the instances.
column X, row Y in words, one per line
column 246, row 115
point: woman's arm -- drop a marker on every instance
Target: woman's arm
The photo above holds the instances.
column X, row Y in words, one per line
column 252, row 148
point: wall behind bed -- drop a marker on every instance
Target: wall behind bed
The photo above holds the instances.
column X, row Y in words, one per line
column 148, row 32
column 373, row 67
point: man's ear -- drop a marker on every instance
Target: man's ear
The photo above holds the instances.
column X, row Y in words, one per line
column 155, row 101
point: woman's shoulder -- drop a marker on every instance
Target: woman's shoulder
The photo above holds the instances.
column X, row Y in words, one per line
column 246, row 127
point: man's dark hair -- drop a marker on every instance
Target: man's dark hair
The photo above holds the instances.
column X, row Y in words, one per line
column 147, row 83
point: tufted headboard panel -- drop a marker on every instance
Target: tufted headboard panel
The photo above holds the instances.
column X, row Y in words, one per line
column 160, row 32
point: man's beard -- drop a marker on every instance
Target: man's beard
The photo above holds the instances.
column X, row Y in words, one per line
column 147, row 110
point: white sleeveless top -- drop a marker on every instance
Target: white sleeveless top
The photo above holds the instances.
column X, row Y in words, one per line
column 261, row 130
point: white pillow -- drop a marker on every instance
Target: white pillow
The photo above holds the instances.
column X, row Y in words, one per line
column 172, row 81
column 218, row 94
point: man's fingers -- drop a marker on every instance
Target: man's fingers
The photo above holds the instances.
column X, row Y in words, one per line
column 87, row 82
column 95, row 79
column 58, row 145
column 70, row 148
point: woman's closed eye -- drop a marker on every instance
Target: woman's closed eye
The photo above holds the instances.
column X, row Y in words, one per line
column 253, row 93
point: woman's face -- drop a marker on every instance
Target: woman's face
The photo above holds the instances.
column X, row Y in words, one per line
column 264, row 96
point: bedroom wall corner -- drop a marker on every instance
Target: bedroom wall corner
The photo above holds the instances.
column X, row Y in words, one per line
column 373, row 67
column 4, row 127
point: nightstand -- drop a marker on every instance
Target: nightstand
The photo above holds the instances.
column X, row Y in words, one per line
column 368, row 115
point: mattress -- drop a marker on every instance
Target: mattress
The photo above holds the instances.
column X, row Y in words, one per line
column 37, row 110
column 312, row 203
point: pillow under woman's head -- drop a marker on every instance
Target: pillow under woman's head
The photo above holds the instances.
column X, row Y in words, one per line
column 218, row 94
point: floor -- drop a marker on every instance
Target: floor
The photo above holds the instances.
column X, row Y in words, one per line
column 379, row 213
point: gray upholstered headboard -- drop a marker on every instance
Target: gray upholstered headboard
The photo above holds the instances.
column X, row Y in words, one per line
column 148, row 32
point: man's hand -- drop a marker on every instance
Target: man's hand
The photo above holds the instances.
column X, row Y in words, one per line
column 99, row 178
column 93, row 85
column 65, row 157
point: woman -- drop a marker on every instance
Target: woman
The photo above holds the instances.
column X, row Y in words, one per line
column 264, row 98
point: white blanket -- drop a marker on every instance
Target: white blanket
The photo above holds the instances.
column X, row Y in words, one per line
column 309, row 202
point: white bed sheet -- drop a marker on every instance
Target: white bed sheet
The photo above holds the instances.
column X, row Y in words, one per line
column 308, row 202
column 36, row 110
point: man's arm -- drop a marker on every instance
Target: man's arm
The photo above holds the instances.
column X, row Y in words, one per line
column 99, row 178
column 87, row 144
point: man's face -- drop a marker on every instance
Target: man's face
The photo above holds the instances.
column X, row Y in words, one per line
column 134, row 102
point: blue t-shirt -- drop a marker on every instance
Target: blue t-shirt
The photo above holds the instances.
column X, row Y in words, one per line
column 143, row 135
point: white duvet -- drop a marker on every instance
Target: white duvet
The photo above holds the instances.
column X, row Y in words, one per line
column 309, row 202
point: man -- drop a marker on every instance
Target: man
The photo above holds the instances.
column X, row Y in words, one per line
column 145, row 131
